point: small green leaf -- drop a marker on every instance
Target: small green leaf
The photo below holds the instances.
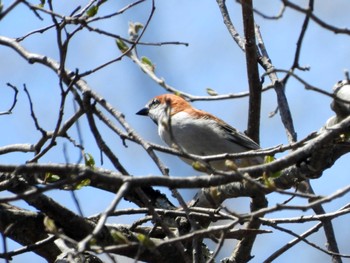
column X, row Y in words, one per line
column 42, row 3
column 51, row 178
column 269, row 159
column 146, row 241
column 82, row 183
column 199, row 166
column 92, row 11
column 89, row 160
column 121, row 45
column 268, row 181
column 148, row 63
column 146, row 60
column 276, row 174
column 231, row 165
column 119, row 237
column 50, row 225
column 211, row 92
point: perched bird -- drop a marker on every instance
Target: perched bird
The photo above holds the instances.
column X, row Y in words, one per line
column 197, row 132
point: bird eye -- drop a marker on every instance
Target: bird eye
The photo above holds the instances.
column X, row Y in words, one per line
column 154, row 103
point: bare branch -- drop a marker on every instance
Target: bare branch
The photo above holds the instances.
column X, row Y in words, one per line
column 3, row 13
column 253, row 130
column 301, row 36
column 16, row 221
column 331, row 253
column 283, row 105
column 32, row 113
column 9, row 111
column 227, row 21
column 317, row 20
column 17, row 148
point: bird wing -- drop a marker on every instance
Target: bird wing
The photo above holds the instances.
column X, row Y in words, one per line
column 239, row 137
column 234, row 135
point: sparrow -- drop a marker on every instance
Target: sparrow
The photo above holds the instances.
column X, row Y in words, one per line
column 194, row 131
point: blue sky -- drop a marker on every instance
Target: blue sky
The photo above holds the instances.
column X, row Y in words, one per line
column 212, row 60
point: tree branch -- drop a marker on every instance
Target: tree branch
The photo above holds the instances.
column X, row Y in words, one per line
column 253, row 130
column 15, row 223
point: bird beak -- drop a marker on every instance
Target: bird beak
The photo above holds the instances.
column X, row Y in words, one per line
column 143, row 112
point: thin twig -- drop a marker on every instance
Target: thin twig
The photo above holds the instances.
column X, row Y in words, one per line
column 103, row 218
column 32, row 113
column 332, row 244
column 9, row 111
column 302, row 35
column 28, row 248
column 6, row 11
column 127, row 52
column 302, row 238
column 293, row 242
column 316, row 19
column 283, row 105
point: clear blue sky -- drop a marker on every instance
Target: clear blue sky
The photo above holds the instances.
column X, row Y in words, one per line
column 212, row 60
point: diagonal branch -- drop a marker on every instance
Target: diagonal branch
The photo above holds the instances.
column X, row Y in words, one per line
column 15, row 222
column 316, row 19
column 328, row 229
column 283, row 106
